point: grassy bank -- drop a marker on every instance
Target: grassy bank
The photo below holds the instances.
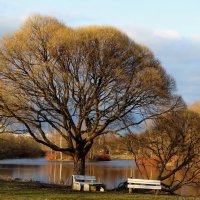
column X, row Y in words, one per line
column 13, row 190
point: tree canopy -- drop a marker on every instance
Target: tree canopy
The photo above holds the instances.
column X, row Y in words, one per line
column 81, row 83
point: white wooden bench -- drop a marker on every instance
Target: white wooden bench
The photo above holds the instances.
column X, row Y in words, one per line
column 86, row 183
column 143, row 184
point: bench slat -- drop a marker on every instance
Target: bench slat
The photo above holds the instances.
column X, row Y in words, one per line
column 143, row 181
column 152, row 187
column 81, row 177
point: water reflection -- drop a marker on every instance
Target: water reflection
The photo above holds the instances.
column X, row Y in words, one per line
column 110, row 173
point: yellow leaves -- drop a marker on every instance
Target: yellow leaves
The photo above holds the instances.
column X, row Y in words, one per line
column 102, row 32
column 41, row 25
column 44, row 46
column 105, row 34
column 151, row 80
column 195, row 107
column 40, row 36
column 149, row 77
column 8, row 94
column 15, row 43
column 35, row 34
column 64, row 39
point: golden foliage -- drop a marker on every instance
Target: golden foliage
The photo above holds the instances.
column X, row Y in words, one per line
column 195, row 107
column 81, row 82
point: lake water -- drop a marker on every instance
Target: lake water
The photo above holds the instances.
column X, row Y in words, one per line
column 111, row 173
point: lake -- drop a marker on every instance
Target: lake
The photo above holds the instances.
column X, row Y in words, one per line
column 111, row 173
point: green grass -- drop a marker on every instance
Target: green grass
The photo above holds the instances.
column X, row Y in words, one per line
column 10, row 190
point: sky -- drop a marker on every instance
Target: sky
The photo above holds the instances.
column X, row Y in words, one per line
column 171, row 29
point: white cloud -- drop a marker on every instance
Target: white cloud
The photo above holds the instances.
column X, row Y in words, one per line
column 196, row 38
column 180, row 55
column 154, row 39
column 168, row 34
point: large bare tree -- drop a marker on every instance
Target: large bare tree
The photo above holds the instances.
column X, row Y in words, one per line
column 81, row 83
column 172, row 147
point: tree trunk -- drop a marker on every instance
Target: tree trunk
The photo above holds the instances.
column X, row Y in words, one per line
column 82, row 150
column 79, row 164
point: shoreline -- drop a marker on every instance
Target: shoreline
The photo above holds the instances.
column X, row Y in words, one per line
column 113, row 157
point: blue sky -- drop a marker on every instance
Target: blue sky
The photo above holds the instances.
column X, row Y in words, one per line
column 170, row 28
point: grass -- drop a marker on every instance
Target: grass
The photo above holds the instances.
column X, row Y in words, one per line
column 12, row 190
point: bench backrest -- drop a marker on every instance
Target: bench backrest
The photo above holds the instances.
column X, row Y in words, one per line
column 80, row 178
column 143, row 181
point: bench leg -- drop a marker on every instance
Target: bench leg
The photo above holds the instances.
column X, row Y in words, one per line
column 77, row 187
column 93, row 188
column 130, row 190
column 86, row 187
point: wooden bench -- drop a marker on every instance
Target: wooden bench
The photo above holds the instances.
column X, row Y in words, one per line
column 143, row 184
column 86, row 183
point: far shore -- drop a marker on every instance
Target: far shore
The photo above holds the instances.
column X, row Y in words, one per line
column 112, row 157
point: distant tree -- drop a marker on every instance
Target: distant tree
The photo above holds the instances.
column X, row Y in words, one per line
column 19, row 146
column 195, row 107
column 111, row 144
column 81, row 82
column 172, row 146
